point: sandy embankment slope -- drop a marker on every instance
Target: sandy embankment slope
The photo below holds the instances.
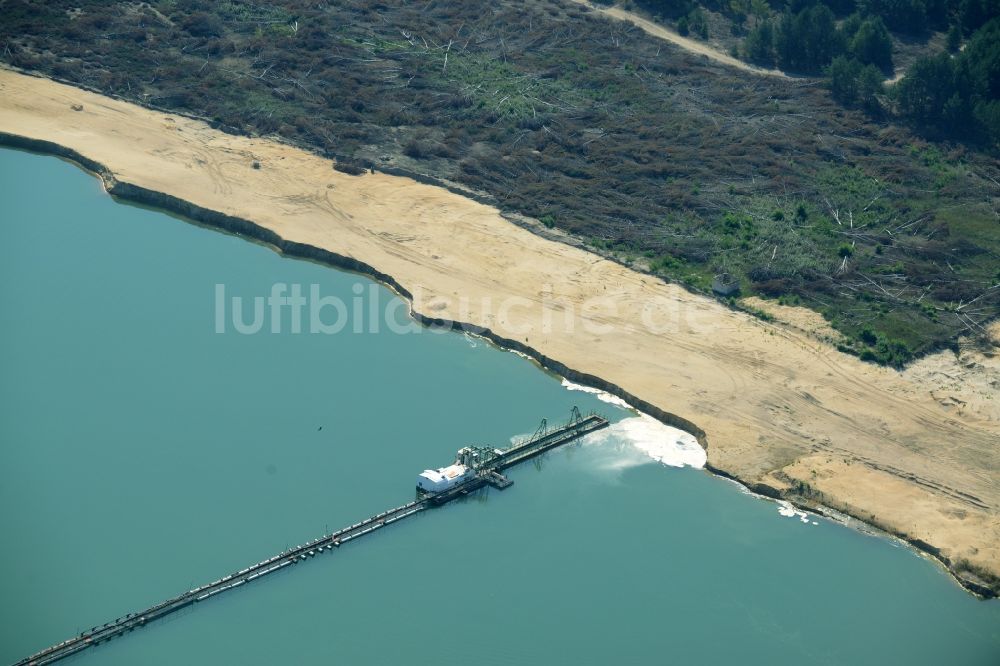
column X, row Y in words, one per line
column 778, row 408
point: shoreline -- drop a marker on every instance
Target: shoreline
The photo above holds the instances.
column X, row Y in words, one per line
column 250, row 231
column 767, row 484
column 247, row 229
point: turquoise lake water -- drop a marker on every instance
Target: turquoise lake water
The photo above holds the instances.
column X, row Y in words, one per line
column 142, row 453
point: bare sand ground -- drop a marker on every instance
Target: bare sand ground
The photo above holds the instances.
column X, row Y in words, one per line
column 966, row 383
column 804, row 319
column 781, row 411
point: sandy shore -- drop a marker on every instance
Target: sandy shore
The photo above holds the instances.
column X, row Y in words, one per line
column 776, row 408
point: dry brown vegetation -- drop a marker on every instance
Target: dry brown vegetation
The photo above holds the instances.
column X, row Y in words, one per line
column 650, row 154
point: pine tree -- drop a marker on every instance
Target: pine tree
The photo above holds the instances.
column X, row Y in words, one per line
column 759, row 44
column 872, row 44
column 954, row 38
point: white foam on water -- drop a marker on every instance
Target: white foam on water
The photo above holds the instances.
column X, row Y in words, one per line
column 663, row 443
column 603, row 396
column 644, row 435
column 739, row 486
column 789, row 511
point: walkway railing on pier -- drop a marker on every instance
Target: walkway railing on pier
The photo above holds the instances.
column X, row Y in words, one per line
column 488, row 473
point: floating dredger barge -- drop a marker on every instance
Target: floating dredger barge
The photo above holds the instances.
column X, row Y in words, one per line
column 475, row 467
column 478, row 466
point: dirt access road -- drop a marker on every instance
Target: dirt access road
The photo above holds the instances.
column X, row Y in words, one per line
column 662, row 32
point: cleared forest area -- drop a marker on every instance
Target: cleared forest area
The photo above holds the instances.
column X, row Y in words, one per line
column 666, row 161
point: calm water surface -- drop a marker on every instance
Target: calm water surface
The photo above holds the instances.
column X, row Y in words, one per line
column 142, row 453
